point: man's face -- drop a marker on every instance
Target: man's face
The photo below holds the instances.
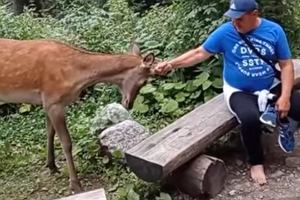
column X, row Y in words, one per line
column 246, row 22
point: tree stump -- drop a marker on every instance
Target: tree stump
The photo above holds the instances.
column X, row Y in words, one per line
column 203, row 175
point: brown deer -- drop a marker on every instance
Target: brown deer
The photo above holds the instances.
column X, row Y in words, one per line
column 53, row 74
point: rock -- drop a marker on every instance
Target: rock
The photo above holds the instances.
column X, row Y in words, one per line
column 116, row 113
column 292, row 176
column 297, row 181
column 232, row 192
column 277, row 174
column 292, row 161
column 123, row 136
column 107, row 116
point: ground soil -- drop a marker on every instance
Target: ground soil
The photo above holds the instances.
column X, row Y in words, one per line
column 282, row 170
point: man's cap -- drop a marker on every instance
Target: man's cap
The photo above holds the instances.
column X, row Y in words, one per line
column 240, row 7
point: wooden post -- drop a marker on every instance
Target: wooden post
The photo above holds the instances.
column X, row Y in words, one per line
column 203, row 175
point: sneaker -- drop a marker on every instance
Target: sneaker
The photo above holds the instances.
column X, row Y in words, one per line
column 286, row 138
column 269, row 116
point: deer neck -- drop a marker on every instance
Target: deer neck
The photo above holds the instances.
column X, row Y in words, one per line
column 96, row 68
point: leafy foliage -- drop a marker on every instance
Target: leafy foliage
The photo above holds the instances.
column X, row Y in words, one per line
column 175, row 98
column 144, row 5
column 109, row 26
column 26, row 26
column 286, row 13
column 169, row 31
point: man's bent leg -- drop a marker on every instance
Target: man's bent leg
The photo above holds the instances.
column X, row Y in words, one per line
column 245, row 107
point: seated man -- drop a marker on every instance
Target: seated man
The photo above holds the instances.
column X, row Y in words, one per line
column 246, row 73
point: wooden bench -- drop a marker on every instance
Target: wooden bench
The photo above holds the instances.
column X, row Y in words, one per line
column 159, row 155
column 98, row 194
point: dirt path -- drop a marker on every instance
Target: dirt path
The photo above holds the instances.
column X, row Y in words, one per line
column 283, row 183
column 282, row 170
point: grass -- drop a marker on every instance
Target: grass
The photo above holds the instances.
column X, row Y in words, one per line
column 23, row 155
column 23, row 175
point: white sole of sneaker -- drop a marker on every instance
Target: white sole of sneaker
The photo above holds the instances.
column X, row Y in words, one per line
column 267, row 122
column 282, row 146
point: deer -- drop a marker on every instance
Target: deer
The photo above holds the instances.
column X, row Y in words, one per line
column 53, row 74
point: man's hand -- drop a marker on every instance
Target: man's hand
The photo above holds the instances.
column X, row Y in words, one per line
column 187, row 59
column 163, row 68
column 283, row 106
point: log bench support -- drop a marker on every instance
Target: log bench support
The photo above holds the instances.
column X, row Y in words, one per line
column 202, row 175
column 170, row 148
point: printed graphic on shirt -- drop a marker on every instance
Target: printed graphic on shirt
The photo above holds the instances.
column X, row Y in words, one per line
column 243, row 69
column 251, row 65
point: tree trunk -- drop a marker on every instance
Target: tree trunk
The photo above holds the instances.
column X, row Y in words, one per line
column 37, row 5
column 203, row 175
column 18, row 6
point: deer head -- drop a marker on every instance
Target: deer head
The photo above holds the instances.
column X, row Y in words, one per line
column 136, row 77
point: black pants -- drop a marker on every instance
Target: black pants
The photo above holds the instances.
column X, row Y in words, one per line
column 246, row 108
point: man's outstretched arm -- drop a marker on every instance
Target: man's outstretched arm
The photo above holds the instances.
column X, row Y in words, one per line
column 187, row 59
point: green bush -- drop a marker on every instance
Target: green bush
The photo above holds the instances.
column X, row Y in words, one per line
column 104, row 30
column 286, row 13
column 26, row 26
column 165, row 30
column 168, row 32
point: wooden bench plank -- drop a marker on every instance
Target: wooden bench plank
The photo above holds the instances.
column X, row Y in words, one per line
column 98, row 194
column 163, row 152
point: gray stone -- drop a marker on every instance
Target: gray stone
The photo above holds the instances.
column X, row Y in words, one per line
column 116, row 113
column 123, row 136
column 292, row 161
column 277, row 174
column 232, row 192
column 107, row 116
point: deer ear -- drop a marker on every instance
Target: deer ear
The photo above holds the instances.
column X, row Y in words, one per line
column 135, row 49
column 148, row 59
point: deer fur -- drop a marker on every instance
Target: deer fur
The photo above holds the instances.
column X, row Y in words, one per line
column 53, row 74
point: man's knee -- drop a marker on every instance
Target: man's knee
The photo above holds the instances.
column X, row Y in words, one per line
column 250, row 119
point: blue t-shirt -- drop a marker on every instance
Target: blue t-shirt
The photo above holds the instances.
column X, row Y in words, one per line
column 243, row 69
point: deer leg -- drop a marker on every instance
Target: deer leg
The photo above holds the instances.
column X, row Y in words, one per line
column 57, row 117
column 50, row 147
